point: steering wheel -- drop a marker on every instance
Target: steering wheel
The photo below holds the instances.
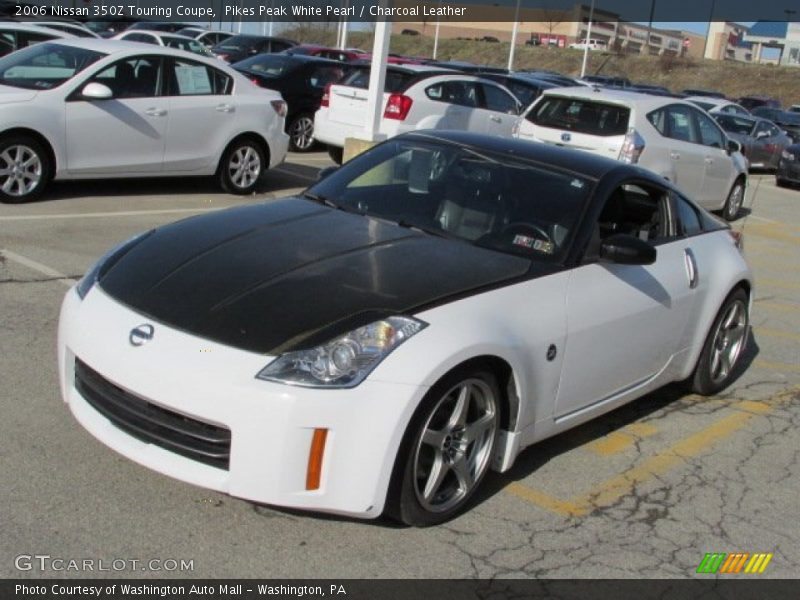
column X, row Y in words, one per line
column 524, row 227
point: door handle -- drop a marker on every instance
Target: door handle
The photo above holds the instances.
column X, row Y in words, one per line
column 495, row 118
column 691, row 268
column 225, row 108
column 674, row 155
column 155, row 112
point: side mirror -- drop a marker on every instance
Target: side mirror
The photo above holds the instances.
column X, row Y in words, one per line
column 626, row 249
column 97, row 91
column 734, row 146
column 326, row 171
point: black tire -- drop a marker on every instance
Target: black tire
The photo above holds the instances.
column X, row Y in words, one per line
column 241, row 166
column 463, row 461
column 780, row 182
column 301, row 133
column 708, row 377
column 336, row 154
column 734, row 202
column 28, row 167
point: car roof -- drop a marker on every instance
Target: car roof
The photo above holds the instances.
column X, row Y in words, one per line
column 567, row 159
column 161, row 34
column 614, row 96
column 111, row 47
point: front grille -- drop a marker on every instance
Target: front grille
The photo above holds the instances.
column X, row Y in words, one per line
column 188, row 437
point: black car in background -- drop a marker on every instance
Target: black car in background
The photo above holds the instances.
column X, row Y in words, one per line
column 788, row 121
column 525, row 87
column 789, row 166
column 752, row 102
column 301, row 80
column 707, row 93
column 243, row 46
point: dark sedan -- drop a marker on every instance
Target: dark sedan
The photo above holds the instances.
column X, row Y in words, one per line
column 239, row 47
column 789, row 166
column 788, row 121
column 762, row 141
column 301, row 80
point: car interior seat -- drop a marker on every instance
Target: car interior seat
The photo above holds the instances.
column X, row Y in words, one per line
column 473, row 203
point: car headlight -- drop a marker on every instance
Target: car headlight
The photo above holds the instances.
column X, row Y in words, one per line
column 346, row 360
column 785, row 155
column 108, row 260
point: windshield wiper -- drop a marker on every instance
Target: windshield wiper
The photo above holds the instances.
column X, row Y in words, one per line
column 429, row 230
column 320, row 199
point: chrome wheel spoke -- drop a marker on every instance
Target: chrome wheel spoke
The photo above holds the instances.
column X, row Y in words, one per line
column 475, row 431
column 463, row 473
column 459, row 417
column 436, row 477
column 433, row 438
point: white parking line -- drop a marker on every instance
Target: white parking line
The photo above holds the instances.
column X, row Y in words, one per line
column 38, row 267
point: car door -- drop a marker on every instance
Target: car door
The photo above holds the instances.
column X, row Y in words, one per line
column 719, row 168
column 686, row 153
column 501, row 109
column 202, row 115
column 125, row 134
column 451, row 104
column 625, row 322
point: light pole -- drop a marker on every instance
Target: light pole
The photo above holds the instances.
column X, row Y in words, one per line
column 436, row 34
column 586, row 40
column 514, row 38
column 708, row 31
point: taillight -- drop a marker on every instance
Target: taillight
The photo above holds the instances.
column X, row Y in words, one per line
column 326, row 96
column 279, row 106
column 397, row 107
column 632, row 147
column 738, row 239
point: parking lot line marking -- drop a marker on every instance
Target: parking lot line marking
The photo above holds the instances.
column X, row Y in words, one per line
column 780, row 283
column 776, row 366
column 564, row 508
column 617, row 441
column 778, row 306
column 778, row 333
column 95, row 215
column 38, row 267
column 773, row 232
column 766, row 220
column 611, row 490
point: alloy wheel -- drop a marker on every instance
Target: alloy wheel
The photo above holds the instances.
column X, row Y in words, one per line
column 244, row 167
column 729, row 340
column 302, row 133
column 21, row 170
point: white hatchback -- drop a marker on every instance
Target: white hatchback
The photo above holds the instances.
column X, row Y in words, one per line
column 673, row 138
column 415, row 97
column 90, row 109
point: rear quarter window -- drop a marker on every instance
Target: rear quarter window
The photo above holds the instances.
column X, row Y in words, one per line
column 581, row 116
column 396, row 81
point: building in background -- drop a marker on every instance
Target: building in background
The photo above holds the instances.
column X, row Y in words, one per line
column 726, row 42
column 775, row 42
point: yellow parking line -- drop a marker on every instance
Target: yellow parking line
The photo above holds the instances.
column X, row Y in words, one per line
column 776, row 366
column 778, row 306
column 777, row 333
column 565, row 508
column 773, row 232
column 613, row 489
column 779, row 283
column 617, row 441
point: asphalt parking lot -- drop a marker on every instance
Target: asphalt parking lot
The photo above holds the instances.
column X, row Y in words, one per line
column 645, row 491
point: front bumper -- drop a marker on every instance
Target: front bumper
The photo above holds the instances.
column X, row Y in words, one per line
column 271, row 424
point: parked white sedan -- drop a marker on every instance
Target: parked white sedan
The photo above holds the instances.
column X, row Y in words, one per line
column 164, row 38
column 89, row 109
column 416, row 318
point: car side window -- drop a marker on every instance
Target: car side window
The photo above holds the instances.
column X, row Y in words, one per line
column 638, row 209
column 189, row 78
column 687, row 216
column 140, row 37
column 680, row 125
column 773, row 131
column 761, row 128
column 498, row 100
column 134, row 77
column 461, row 93
column 710, row 134
column 7, row 43
column 658, row 119
column 322, row 76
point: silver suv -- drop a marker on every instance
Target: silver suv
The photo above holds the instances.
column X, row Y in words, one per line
column 672, row 138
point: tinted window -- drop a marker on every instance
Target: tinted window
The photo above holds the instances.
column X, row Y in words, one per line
column 680, row 125
column 735, row 124
column 137, row 77
column 637, row 210
column 688, row 217
column 710, row 134
column 582, row 116
column 323, row 75
column 45, row 66
column 188, row 78
column 269, row 65
column 396, row 81
column 498, row 100
column 460, row 93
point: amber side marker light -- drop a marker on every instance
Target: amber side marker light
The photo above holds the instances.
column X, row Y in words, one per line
column 315, row 456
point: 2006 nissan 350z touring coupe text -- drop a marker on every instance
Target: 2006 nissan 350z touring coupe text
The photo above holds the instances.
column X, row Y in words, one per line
column 416, row 318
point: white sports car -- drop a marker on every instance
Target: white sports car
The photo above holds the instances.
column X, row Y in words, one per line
column 417, row 317
column 92, row 109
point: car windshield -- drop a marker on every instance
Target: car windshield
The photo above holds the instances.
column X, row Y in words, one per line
column 703, row 105
column 268, row 65
column 444, row 189
column 396, row 81
column 580, row 116
column 734, row 124
column 45, row 66
column 238, row 42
